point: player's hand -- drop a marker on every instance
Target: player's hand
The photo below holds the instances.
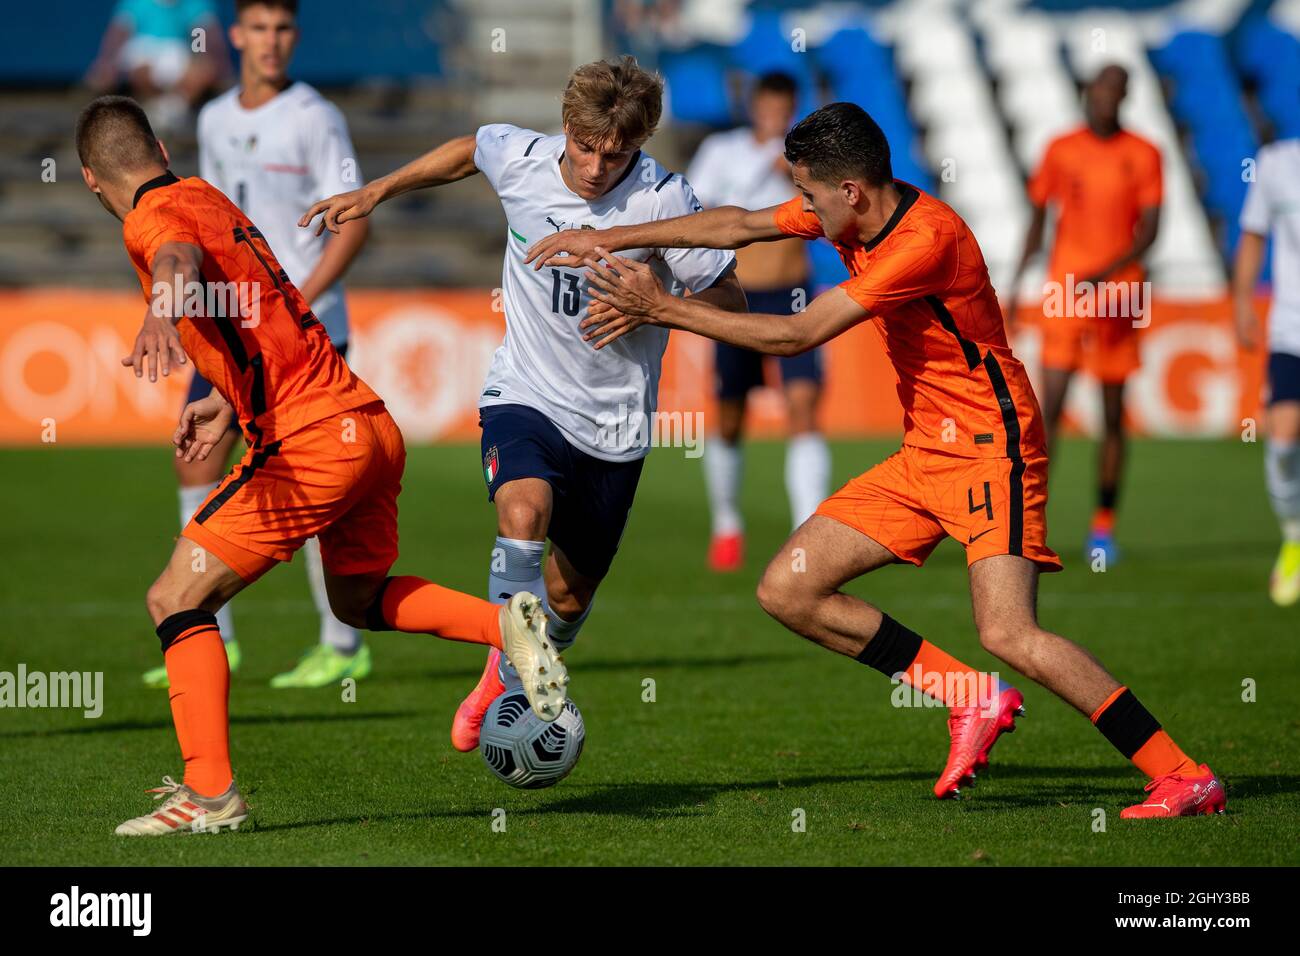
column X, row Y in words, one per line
column 158, row 344
column 341, row 208
column 203, row 424
column 1247, row 324
column 627, row 286
column 604, row 323
column 565, row 250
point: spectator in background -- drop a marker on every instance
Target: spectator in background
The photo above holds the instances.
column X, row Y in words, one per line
column 746, row 167
column 152, row 43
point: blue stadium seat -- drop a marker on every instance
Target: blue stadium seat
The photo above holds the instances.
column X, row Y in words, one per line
column 854, row 51
column 1207, row 101
column 767, row 47
column 1191, row 53
column 1263, row 48
column 697, row 85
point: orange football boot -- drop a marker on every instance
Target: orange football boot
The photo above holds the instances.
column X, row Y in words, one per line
column 974, row 731
column 1176, row 795
column 467, row 723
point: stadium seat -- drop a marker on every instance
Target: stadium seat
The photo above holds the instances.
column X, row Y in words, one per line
column 769, row 46
column 701, row 74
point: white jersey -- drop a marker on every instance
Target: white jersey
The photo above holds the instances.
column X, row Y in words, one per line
column 273, row 162
column 601, row 401
column 1272, row 206
column 734, row 169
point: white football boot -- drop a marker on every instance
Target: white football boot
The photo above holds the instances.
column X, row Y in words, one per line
column 184, row 811
column 541, row 670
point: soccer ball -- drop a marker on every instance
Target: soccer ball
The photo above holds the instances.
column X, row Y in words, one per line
column 526, row 751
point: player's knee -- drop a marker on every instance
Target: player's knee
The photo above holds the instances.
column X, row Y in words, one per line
column 162, row 600
column 780, row 595
column 1005, row 639
column 520, row 519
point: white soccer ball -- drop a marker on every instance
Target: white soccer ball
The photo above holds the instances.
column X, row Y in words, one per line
column 526, row 751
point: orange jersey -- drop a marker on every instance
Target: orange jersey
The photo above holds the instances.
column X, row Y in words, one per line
column 274, row 362
column 924, row 283
column 1101, row 187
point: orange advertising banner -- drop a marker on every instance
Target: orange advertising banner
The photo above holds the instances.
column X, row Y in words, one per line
column 426, row 353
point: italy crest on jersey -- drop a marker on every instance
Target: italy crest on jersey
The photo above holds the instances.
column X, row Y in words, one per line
column 490, row 464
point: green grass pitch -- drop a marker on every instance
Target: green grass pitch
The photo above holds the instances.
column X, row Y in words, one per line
column 750, row 723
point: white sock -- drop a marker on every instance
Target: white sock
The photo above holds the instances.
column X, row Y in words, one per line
column 190, row 499
column 333, row 632
column 807, row 474
column 723, row 465
column 563, row 633
column 516, row 566
column 1282, row 471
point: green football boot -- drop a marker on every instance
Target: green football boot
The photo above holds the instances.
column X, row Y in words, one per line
column 157, row 677
column 323, row 665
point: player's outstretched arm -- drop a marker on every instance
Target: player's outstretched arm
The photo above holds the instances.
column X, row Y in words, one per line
column 449, row 163
column 726, row 227
column 634, row 292
column 175, row 266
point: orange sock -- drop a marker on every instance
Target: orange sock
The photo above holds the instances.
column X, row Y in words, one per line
column 199, row 676
column 1160, row 755
column 418, row 606
column 895, row 649
column 1139, row 737
column 943, row 677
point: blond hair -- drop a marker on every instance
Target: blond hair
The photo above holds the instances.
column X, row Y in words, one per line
column 613, row 102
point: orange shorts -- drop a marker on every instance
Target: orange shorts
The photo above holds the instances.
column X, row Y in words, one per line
column 337, row 479
column 1106, row 348
column 916, row 497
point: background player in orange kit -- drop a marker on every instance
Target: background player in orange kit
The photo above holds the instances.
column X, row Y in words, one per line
column 918, row 274
column 324, row 459
column 1106, row 183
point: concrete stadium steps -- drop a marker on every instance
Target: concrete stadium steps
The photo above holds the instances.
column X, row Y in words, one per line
column 54, row 233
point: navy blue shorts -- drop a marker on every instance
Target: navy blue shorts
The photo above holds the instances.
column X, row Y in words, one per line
column 592, row 497
column 1283, row 377
column 737, row 370
column 201, row 388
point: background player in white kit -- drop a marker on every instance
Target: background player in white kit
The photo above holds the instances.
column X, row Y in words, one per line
column 561, row 449
column 1273, row 206
column 746, row 167
column 272, row 146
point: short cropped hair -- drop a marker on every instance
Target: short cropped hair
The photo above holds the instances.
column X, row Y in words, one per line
column 840, row 141
column 613, row 101
column 114, row 137
column 290, row 5
column 776, row 81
